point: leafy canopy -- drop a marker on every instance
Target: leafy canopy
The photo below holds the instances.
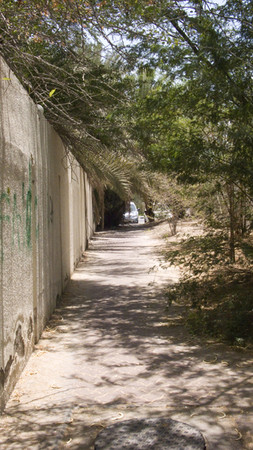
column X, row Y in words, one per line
column 86, row 62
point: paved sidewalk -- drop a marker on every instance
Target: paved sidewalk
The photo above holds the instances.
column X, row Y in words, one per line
column 112, row 351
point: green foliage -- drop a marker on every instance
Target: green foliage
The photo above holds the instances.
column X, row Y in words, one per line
column 168, row 82
column 230, row 321
column 217, row 202
column 197, row 118
column 218, row 295
column 219, row 306
column 200, row 254
column 52, row 48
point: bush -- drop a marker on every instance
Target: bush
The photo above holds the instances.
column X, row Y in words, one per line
column 218, row 295
column 230, row 322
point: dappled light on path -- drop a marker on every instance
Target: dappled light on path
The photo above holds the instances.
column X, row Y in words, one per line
column 113, row 351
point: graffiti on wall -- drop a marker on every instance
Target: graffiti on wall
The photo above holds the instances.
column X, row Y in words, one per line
column 16, row 217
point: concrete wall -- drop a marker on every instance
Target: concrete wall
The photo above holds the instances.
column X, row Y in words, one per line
column 46, row 220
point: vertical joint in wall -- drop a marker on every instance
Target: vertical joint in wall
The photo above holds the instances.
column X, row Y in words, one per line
column 34, row 250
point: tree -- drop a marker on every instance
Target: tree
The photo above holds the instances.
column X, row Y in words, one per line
column 175, row 89
column 52, row 49
column 208, row 48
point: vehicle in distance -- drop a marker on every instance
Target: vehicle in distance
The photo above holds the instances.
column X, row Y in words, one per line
column 131, row 215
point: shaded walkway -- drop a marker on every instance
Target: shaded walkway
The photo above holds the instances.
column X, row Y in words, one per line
column 112, row 351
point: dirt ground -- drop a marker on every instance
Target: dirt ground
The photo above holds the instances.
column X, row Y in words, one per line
column 114, row 351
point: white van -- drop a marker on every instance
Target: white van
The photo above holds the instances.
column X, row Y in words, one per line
column 131, row 215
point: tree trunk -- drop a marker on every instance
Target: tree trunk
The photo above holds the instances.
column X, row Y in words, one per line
column 232, row 221
column 103, row 211
column 242, row 213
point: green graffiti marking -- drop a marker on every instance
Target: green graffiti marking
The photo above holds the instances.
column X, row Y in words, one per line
column 18, row 214
column 16, row 222
column 23, row 193
column 6, row 196
column 28, row 222
column 36, row 207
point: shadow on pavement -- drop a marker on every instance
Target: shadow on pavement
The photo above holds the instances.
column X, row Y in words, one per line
column 112, row 350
